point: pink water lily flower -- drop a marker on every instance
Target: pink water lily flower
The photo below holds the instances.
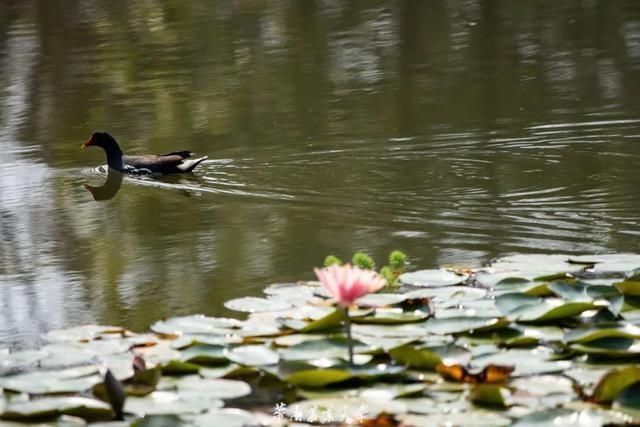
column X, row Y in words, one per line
column 346, row 283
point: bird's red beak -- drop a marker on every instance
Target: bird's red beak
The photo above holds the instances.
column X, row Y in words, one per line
column 88, row 142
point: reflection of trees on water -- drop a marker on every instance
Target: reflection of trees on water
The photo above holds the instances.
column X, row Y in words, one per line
column 261, row 69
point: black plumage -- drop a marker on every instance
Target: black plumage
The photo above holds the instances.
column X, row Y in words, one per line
column 174, row 162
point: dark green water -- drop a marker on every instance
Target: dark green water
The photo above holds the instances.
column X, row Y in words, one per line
column 456, row 131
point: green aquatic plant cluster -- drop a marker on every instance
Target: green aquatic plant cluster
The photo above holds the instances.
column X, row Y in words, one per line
column 530, row 340
column 396, row 265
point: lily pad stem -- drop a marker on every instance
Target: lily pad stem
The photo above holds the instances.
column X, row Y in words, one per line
column 347, row 323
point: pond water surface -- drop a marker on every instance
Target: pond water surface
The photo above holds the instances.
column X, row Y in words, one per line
column 457, row 131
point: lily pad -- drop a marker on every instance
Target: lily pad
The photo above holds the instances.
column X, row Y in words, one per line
column 329, row 322
column 392, row 317
column 476, row 418
column 90, row 409
column 527, row 362
column 256, row 305
column 327, row 348
column 631, row 288
column 561, row 417
column 613, row 347
column 538, row 264
column 613, row 382
column 171, row 403
column 381, row 300
column 318, row 377
column 204, row 354
column 414, row 358
column 196, row 324
column 628, row 400
column 525, row 308
column 252, row 355
column 491, row 395
column 432, row 278
column 214, row 388
column 596, row 332
column 227, row 417
column 449, row 296
column 63, row 381
column 462, row 324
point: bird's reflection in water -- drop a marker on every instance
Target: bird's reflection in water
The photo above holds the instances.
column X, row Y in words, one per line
column 187, row 185
column 110, row 187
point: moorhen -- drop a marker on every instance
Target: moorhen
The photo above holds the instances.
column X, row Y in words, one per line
column 175, row 162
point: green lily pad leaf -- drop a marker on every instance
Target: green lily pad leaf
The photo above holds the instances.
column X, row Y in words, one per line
column 252, row 355
column 526, row 308
column 196, row 324
column 427, row 358
column 571, row 290
column 171, row 403
column 475, row 418
column 143, row 382
column 185, row 341
column 490, row 395
column 613, row 382
column 538, row 264
column 414, row 358
column 616, row 347
column 596, row 332
column 318, row 377
column 409, row 330
column 543, row 385
column 178, row 367
column 231, row 370
column 526, row 362
column 83, row 407
column 293, row 293
column 380, row 300
column 227, row 417
column 392, row 317
column 449, row 296
column 587, row 375
column 563, row 417
column 293, row 339
column 306, row 375
column 628, row 401
column 203, row 354
column 631, row 288
column 432, row 278
column 392, row 391
column 328, row 348
column 329, row 322
column 477, row 308
column 214, row 388
column 462, row 324
column 256, row 305
column 491, row 279
column 582, row 291
column 516, row 336
column 64, row 381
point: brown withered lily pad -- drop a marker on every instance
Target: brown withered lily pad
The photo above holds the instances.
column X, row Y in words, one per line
column 490, row 374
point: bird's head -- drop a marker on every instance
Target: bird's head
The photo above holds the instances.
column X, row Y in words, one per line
column 100, row 139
